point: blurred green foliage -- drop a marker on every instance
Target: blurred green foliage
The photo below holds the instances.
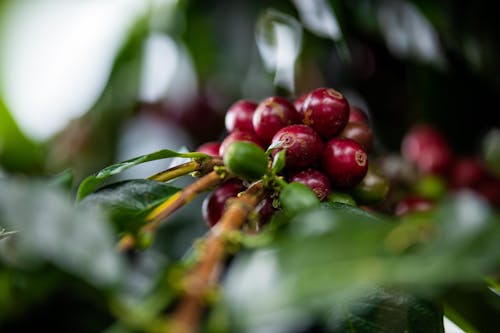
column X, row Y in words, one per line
column 17, row 152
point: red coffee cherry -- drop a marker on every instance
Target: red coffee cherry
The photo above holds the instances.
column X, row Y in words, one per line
column 315, row 180
column 265, row 211
column 489, row 189
column 413, row 204
column 303, row 146
column 467, row 172
column 214, row 204
column 209, row 148
column 239, row 116
column 271, row 115
column 326, row 111
column 359, row 132
column 357, row 115
column 345, row 162
column 238, row 136
column 299, row 102
column 426, row 147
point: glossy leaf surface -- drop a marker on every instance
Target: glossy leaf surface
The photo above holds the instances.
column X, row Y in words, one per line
column 129, row 201
column 91, row 182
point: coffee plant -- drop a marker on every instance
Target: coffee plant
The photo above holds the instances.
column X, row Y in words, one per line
column 332, row 166
column 308, row 228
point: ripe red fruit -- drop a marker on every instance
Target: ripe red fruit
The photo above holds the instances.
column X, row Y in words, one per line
column 345, row 162
column 265, row 211
column 210, row 148
column 213, row 206
column 413, row 204
column 426, row 147
column 467, row 172
column 315, row 180
column 359, row 132
column 238, row 136
column 239, row 116
column 357, row 115
column 299, row 102
column 326, row 111
column 489, row 189
column 303, row 145
column 271, row 115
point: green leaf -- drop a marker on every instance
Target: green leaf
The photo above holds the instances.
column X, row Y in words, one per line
column 63, row 179
column 17, row 152
column 336, row 255
column 273, row 146
column 493, row 285
column 383, row 311
column 270, row 28
column 297, row 197
column 4, row 233
column 129, row 201
column 91, row 182
column 279, row 161
column 139, row 303
column 52, row 230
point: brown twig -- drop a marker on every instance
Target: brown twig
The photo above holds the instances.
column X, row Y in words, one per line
column 204, row 275
column 203, row 167
column 176, row 201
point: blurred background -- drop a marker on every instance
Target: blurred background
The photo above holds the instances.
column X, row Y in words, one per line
column 87, row 83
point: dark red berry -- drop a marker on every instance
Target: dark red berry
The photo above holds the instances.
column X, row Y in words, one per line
column 210, row 148
column 357, row 115
column 426, row 147
column 467, row 172
column 239, row 116
column 299, row 102
column 265, row 210
column 326, row 111
column 470, row 172
column 489, row 189
column 315, row 180
column 413, row 204
column 238, row 136
column 271, row 115
column 345, row 162
column 303, row 146
column 359, row 132
column 214, row 204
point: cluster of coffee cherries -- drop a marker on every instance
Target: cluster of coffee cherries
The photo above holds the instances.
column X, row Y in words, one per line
column 325, row 142
column 438, row 170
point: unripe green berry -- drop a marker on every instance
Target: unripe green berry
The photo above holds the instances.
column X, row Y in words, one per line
column 246, row 160
column 431, row 187
column 341, row 197
column 372, row 189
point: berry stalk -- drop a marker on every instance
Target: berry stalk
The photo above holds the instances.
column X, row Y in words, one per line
column 204, row 167
column 204, row 276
